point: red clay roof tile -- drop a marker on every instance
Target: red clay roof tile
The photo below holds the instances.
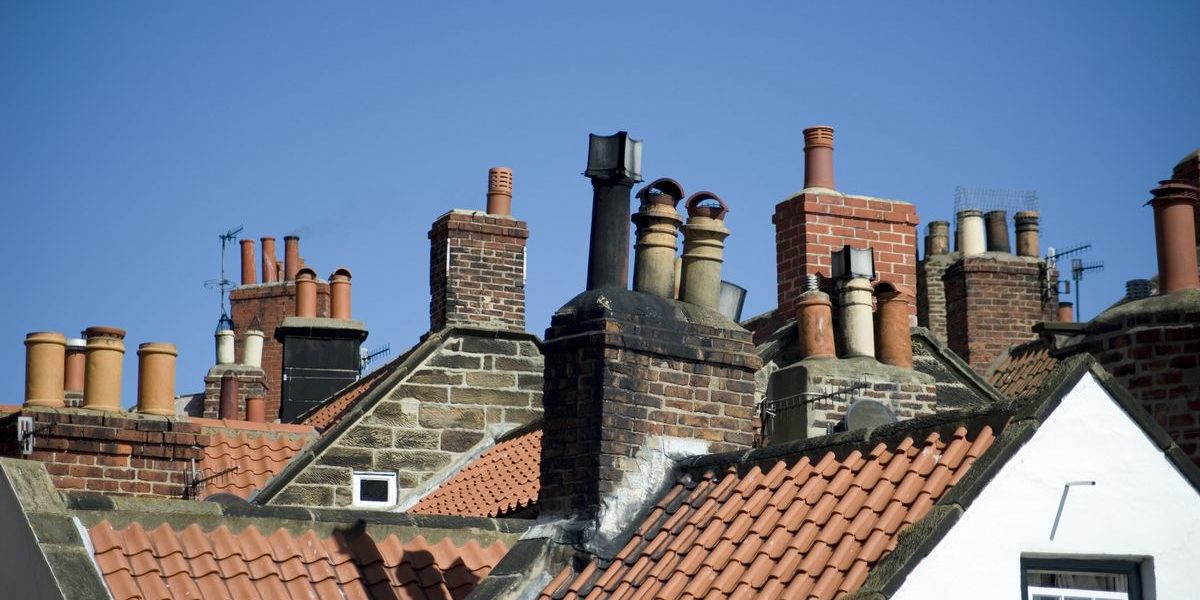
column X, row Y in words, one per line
column 242, row 456
column 1024, row 370
column 504, row 479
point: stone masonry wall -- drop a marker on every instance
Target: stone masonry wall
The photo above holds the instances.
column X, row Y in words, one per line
column 906, row 400
column 931, row 293
column 264, row 306
column 470, row 388
column 482, row 282
column 118, row 453
column 809, row 226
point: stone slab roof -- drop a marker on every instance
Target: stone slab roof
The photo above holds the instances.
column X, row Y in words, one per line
column 501, row 481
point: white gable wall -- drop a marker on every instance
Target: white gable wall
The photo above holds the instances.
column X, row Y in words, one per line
column 1140, row 506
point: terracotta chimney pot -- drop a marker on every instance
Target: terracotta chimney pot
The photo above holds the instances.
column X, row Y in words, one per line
column 895, row 341
column 1174, row 205
column 306, row 293
column 858, row 330
column 818, row 157
column 1066, row 312
column 500, row 191
column 76, row 363
column 703, row 251
column 997, row 231
column 1027, row 233
column 102, row 376
column 256, row 409
column 970, row 231
column 268, row 260
column 252, row 348
column 248, row 276
column 225, row 347
column 657, row 237
column 291, row 257
column 339, row 293
column 815, row 316
column 45, row 360
column 938, row 240
column 228, row 407
column 156, row 378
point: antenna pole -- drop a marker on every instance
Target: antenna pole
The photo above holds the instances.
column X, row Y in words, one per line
column 223, row 284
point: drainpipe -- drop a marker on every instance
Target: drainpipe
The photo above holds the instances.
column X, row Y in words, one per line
column 156, row 379
column 500, row 190
column 1175, row 229
column 818, row 157
column 339, row 294
column 45, row 360
column 703, row 250
column 1027, row 233
column 248, row 276
column 997, row 231
column 291, row 257
column 970, row 231
column 268, row 260
column 895, row 340
column 102, row 383
column 938, row 240
column 815, row 316
column 306, row 293
column 76, row 363
column 252, row 348
column 657, row 238
column 857, row 325
column 228, row 407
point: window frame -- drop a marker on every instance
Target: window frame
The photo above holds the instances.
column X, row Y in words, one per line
column 1130, row 568
column 358, row 477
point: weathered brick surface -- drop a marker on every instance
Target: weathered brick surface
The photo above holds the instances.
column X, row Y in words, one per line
column 250, row 383
column 931, row 293
column 263, row 307
column 477, row 271
column 472, row 387
column 615, row 378
column 809, row 226
column 992, row 303
column 121, row 453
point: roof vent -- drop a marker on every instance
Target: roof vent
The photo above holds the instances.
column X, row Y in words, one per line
column 864, row 414
column 1136, row 289
column 730, row 303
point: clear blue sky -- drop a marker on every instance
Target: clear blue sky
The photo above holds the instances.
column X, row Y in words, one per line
column 133, row 133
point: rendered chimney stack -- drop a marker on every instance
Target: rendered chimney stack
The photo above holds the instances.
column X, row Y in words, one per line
column 268, row 260
column 500, row 191
column 815, row 316
column 156, row 379
column 703, row 250
column 291, row 257
column 1174, row 206
column 818, row 157
column 248, row 277
column 938, row 240
column 252, row 349
column 75, row 365
column 657, row 236
column 102, row 385
column 970, row 232
column 1027, row 233
column 256, row 409
column 997, row 231
column 306, row 293
column 45, row 360
column 228, row 408
column 339, row 293
column 895, row 339
column 1066, row 312
column 225, row 347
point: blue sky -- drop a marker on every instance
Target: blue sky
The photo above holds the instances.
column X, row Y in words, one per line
column 133, row 133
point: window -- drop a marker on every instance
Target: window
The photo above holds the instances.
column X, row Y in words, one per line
column 1080, row 579
column 374, row 489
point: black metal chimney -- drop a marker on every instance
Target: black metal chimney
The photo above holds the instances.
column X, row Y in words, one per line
column 614, row 165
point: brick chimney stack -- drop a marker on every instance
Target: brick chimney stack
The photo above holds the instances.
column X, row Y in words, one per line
column 477, row 267
column 931, row 293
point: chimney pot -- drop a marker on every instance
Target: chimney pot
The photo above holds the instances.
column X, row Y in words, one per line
column 156, row 378
column 248, row 262
column 857, row 326
column 228, row 407
column 339, row 293
column 895, row 340
column 997, row 231
column 1027, row 233
column 818, row 157
column 1066, row 312
column 500, row 191
column 268, row 260
column 657, row 237
column 614, row 165
column 970, row 230
column 256, row 409
column 102, row 376
column 1174, row 205
column 252, row 348
column 815, row 319
column 45, row 360
column 306, row 293
column 703, row 250
column 938, row 240
column 75, row 365
column 225, row 353
column 291, row 257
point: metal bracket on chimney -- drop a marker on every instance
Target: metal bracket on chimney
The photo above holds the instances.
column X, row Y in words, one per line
column 25, row 435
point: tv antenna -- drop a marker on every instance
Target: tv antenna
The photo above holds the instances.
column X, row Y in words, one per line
column 370, row 355
column 1078, row 268
column 224, row 284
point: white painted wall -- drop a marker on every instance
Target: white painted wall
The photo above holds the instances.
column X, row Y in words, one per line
column 1141, row 506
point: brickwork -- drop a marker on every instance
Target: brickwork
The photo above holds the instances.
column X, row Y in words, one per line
column 122, row 453
column 809, row 226
column 623, row 368
column 907, row 400
column 250, row 384
column 263, row 307
column 931, row 293
column 471, row 387
column 482, row 280
column 992, row 302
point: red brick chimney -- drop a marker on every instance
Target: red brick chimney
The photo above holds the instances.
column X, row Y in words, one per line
column 477, row 265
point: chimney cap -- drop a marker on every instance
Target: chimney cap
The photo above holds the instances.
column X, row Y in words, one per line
column 666, row 188
column 78, row 343
column 306, row 272
column 1173, row 188
column 340, row 272
column 695, row 209
column 615, row 156
column 853, row 263
column 818, row 136
column 157, row 348
column 291, row 237
column 102, row 331
column 889, row 289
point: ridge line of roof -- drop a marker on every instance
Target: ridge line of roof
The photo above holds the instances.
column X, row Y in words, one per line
column 961, row 367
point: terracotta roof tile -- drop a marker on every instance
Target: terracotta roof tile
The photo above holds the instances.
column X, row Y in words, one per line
column 1024, row 370
column 192, row 563
column 241, row 456
column 795, row 530
column 504, row 479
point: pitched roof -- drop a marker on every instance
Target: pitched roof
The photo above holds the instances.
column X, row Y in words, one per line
column 242, row 456
column 502, row 480
column 806, row 527
column 194, row 563
column 1024, row 370
column 325, row 415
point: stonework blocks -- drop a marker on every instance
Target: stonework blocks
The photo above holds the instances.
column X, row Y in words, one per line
column 931, row 293
column 477, row 271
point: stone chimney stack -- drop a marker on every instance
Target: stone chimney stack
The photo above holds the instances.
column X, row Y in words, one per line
column 1174, row 205
column 657, row 236
column 477, row 267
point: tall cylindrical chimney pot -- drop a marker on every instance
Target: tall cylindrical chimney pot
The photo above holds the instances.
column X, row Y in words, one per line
column 248, row 276
column 895, row 338
column 225, row 347
column 156, row 378
column 291, row 257
column 102, row 376
column 252, row 348
column 256, row 409
column 970, row 231
column 1174, row 206
column 1027, row 233
column 858, row 330
column 818, row 157
column 228, row 406
column 500, row 190
column 268, row 260
column 306, row 293
column 997, row 231
column 703, row 251
column 45, row 362
column 608, row 250
column 339, row 294
column 657, row 238
column 1066, row 312
column 938, row 240
column 815, row 316
column 76, row 364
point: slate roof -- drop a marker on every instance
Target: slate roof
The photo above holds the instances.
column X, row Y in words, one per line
column 193, row 563
column 242, row 456
column 503, row 480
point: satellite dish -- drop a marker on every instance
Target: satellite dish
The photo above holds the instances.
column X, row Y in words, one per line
column 867, row 413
